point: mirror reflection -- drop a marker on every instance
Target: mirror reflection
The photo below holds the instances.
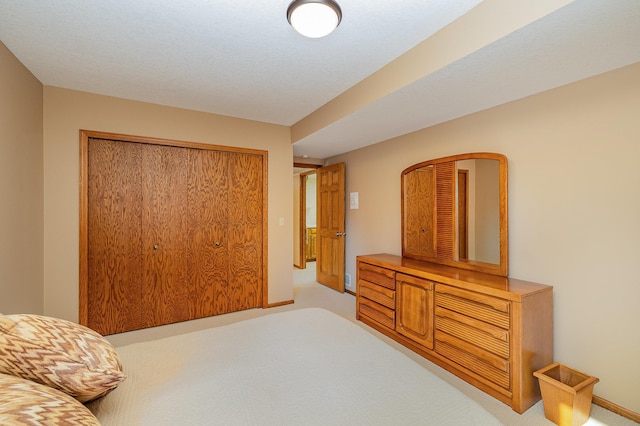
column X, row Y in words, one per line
column 478, row 213
column 454, row 212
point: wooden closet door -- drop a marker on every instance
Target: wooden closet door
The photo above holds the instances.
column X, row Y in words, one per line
column 165, row 290
column 114, row 246
column 208, row 217
column 245, row 245
column 168, row 232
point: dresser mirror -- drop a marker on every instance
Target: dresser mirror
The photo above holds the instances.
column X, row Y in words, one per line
column 454, row 212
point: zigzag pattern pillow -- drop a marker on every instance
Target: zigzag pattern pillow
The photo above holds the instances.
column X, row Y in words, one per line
column 23, row 402
column 59, row 353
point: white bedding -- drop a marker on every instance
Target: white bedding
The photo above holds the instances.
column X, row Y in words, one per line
column 300, row 367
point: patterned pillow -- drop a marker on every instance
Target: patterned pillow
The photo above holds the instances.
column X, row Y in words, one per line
column 59, row 353
column 23, row 402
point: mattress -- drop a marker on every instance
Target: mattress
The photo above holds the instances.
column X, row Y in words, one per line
column 299, row 367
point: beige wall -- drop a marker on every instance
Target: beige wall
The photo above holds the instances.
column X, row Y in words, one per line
column 21, row 188
column 574, row 211
column 67, row 111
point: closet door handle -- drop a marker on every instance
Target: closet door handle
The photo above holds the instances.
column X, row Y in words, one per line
column 156, row 247
column 217, row 244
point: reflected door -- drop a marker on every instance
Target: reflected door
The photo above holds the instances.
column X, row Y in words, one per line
column 419, row 207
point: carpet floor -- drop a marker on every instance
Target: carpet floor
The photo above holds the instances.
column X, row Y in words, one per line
column 308, row 293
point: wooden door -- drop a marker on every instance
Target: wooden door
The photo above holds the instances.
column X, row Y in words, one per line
column 225, row 231
column 114, row 240
column 445, row 207
column 419, row 222
column 207, row 252
column 414, row 309
column 245, row 233
column 165, row 295
column 330, row 243
column 306, row 243
column 137, row 265
column 168, row 232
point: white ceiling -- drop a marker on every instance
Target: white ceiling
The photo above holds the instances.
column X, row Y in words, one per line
column 242, row 59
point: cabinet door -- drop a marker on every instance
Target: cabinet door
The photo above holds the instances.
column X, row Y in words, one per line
column 419, row 213
column 414, row 309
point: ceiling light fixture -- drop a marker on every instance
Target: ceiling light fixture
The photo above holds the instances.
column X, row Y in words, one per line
column 314, row 18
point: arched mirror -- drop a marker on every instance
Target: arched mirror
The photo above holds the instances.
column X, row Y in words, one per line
column 454, row 212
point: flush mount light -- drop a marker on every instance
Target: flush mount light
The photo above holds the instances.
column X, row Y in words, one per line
column 314, row 18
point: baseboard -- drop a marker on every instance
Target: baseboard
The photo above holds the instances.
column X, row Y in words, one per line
column 275, row 305
column 615, row 408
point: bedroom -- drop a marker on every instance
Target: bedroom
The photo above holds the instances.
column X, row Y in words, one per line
column 573, row 199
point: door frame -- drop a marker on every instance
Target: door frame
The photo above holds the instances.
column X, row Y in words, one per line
column 85, row 135
column 462, row 190
column 302, row 195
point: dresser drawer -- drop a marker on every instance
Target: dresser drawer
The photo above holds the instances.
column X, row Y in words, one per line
column 486, row 365
column 377, row 312
column 382, row 295
column 485, row 308
column 486, row 337
column 377, row 275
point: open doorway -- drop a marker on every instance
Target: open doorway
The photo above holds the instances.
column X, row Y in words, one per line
column 304, row 214
column 319, row 223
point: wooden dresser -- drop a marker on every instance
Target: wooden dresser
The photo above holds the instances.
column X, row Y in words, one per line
column 491, row 331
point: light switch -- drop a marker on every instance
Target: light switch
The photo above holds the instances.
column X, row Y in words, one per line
column 281, row 221
column 353, row 201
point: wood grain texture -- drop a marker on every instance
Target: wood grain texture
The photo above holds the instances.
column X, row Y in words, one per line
column 419, row 198
column 381, row 314
column 445, row 226
column 471, row 308
column 330, row 264
column 165, row 296
column 114, row 237
column 208, row 217
column 378, row 294
column 445, row 208
column 245, row 243
column 414, row 309
column 489, row 330
column 161, row 232
column 377, row 275
column 467, row 357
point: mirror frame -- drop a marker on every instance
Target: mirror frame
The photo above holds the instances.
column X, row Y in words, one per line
column 501, row 269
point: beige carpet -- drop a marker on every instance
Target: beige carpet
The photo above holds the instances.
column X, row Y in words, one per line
column 307, row 293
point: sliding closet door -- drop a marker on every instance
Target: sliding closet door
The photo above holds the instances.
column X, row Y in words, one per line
column 165, row 290
column 114, row 252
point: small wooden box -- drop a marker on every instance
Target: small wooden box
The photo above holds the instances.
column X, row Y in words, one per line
column 566, row 394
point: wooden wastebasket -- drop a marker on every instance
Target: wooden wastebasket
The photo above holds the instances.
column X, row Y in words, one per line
column 566, row 394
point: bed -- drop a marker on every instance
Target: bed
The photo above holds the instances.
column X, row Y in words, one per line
column 299, row 367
